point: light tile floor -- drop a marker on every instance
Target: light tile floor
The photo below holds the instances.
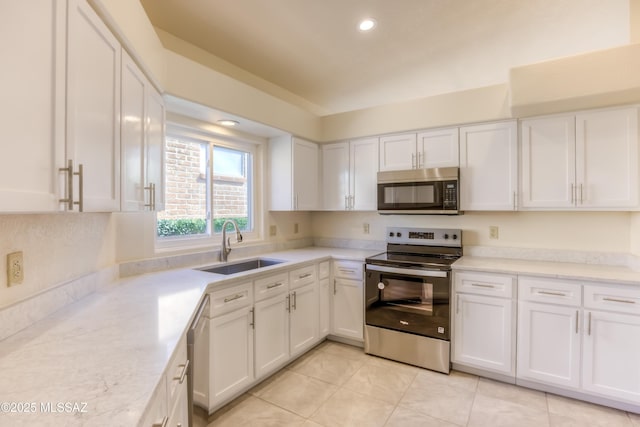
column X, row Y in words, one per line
column 338, row 385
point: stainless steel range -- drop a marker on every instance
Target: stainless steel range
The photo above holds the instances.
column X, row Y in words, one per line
column 408, row 293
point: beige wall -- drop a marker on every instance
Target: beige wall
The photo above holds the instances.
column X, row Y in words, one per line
column 573, row 231
column 56, row 249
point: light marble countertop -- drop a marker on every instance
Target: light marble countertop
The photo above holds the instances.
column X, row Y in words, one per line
column 110, row 349
column 565, row 270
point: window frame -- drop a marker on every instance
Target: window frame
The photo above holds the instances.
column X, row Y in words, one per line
column 255, row 202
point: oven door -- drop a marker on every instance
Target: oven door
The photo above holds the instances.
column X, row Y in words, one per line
column 425, row 195
column 408, row 300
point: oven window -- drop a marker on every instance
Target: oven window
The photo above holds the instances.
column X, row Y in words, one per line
column 407, row 294
column 410, row 194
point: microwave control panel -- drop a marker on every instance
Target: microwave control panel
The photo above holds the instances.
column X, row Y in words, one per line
column 450, row 195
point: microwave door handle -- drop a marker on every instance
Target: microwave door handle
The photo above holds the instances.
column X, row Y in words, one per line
column 407, row 271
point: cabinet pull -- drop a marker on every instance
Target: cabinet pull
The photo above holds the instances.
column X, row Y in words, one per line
column 573, row 196
column 233, row 298
column 557, row 294
column 577, row 311
column 626, row 301
column 352, row 201
column 457, row 304
column 253, row 318
column 335, row 289
column 413, row 160
column 304, row 276
column 480, row 285
column 288, row 306
column 589, row 329
column 80, row 201
column 152, row 197
column 346, row 203
column 295, row 300
column 163, row 423
column 345, row 270
column 69, row 171
column 581, row 194
column 420, row 159
column 274, row 285
column 515, row 201
column 185, row 369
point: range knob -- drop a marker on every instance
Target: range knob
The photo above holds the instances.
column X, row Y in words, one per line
column 446, row 236
column 391, row 234
column 399, row 234
column 454, row 237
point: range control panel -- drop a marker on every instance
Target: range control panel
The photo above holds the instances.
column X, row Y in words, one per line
column 425, row 236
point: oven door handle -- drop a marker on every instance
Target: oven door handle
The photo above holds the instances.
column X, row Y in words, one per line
column 407, row 271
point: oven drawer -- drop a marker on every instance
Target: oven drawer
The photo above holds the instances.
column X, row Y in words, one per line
column 551, row 291
column 622, row 299
column 348, row 270
column 498, row 285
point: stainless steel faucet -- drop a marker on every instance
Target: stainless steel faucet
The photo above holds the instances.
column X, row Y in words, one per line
column 226, row 241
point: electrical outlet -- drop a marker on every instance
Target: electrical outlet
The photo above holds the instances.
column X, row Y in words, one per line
column 295, row 228
column 272, row 230
column 493, row 232
column 15, row 268
column 365, row 228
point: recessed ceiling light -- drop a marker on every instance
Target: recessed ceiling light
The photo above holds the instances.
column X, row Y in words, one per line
column 367, row 24
column 228, row 122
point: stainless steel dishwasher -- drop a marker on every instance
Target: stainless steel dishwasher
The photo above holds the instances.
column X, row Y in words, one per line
column 198, row 354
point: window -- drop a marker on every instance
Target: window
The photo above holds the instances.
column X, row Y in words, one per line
column 207, row 182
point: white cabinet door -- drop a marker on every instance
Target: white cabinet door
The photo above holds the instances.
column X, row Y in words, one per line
column 549, row 344
column 325, row 307
column 93, row 107
column 364, row 174
column 607, row 158
column 271, row 334
column 398, row 152
column 33, row 104
column 305, row 175
column 335, row 176
column 154, row 149
column 438, row 148
column 132, row 134
column 231, row 355
column 548, row 162
column 483, row 333
column 304, row 318
column 488, row 167
column 610, row 355
column 348, row 308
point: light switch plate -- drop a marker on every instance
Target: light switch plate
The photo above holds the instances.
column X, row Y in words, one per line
column 15, row 268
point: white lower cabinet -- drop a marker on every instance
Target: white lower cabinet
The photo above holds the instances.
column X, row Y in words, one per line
column 484, row 322
column 348, row 300
column 179, row 415
column 303, row 327
column 271, row 334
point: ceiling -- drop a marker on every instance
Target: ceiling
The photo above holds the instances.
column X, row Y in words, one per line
column 420, row 48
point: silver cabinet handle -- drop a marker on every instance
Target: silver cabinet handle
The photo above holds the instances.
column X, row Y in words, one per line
column 335, row 288
column 152, row 197
column 573, row 194
column 344, row 270
column 80, row 201
column 353, row 202
column 581, row 194
column 233, row 298
column 626, row 301
column 457, row 304
column 515, row 201
column 480, row 285
column 185, row 369
column 589, row 329
column 295, row 300
column 253, row 318
column 420, row 159
column 413, row 160
column 346, row 203
column 577, row 311
column 274, row 285
column 304, row 276
column 288, row 305
column 557, row 294
column 69, row 171
column 163, row 423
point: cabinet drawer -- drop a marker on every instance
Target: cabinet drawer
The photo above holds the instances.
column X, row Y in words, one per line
column 549, row 291
column 498, row 285
column 230, row 299
column 324, row 270
column 302, row 276
column 622, row 299
column 348, row 270
column 271, row 286
column 177, row 371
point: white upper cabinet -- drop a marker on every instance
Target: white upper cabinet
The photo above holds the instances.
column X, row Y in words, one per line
column 294, row 172
column 93, row 109
column 349, row 171
column 438, row 148
column 488, row 167
column 142, row 141
column 548, row 162
column 584, row 161
column 398, row 152
column 32, row 107
column 433, row 148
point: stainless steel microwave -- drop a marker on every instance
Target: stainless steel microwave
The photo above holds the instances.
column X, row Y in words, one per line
column 419, row 191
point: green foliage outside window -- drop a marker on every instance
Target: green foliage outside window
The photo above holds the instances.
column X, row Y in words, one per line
column 186, row 227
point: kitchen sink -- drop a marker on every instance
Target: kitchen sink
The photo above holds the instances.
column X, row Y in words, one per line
column 238, row 267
